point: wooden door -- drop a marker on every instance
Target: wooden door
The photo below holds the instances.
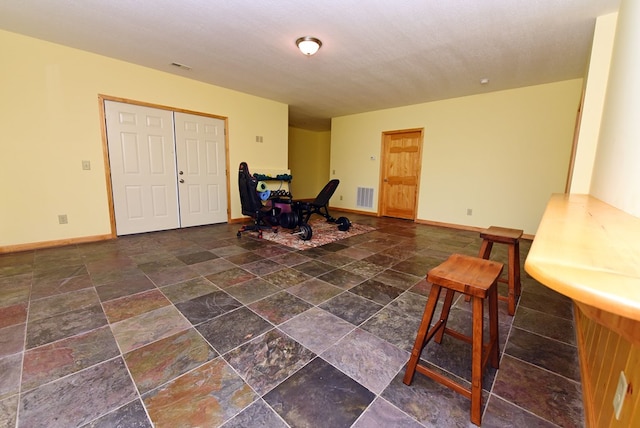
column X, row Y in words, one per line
column 400, row 175
column 202, row 177
column 143, row 168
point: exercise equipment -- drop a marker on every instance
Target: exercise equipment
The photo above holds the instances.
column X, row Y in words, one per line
column 271, row 208
column 343, row 224
column 261, row 186
column 264, row 195
column 301, row 212
column 252, row 206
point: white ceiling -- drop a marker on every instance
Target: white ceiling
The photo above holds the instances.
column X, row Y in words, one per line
column 376, row 54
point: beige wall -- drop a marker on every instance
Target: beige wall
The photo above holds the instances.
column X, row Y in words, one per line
column 616, row 172
column 502, row 154
column 308, row 161
column 594, row 94
column 50, row 123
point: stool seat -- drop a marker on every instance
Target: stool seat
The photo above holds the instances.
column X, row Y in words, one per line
column 475, row 277
column 465, row 274
column 511, row 238
column 501, row 234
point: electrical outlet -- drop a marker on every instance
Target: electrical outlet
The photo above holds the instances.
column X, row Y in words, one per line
column 469, row 211
column 340, row 197
column 258, row 138
column 621, row 392
column 62, row 219
column 86, row 165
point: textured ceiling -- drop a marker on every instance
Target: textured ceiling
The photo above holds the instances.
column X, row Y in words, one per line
column 376, row 54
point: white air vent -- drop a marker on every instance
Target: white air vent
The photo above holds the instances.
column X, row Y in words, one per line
column 182, row 66
column 364, row 198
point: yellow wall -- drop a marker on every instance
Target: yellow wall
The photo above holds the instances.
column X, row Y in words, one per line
column 594, row 96
column 50, row 123
column 308, row 161
column 616, row 176
column 502, row 154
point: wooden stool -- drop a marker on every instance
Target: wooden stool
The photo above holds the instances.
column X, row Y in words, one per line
column 476, row 278
column 510, row 237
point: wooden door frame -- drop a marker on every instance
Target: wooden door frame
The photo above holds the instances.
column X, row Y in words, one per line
column 105, row 148
column 383, row 161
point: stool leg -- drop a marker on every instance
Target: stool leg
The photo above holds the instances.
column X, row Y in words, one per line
column 485, row 249
column 444, row 315
column 476, row 361
column 494, row 335
column 517, row 265
column 484, row 253
column 427, row 316
column 514, row 276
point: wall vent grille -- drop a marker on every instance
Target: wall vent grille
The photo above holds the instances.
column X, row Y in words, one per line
column 364, row 198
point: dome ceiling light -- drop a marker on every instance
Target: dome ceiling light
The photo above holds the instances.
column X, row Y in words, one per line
column 308, row 45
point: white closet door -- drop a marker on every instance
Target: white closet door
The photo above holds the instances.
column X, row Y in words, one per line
column 202, row 178
column 143, row 168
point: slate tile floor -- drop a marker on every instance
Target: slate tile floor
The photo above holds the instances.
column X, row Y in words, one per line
column 196, row 327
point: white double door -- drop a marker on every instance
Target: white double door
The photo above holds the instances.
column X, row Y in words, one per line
column 168, row 169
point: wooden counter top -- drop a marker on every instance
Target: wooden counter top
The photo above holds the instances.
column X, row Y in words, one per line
column 589, row 251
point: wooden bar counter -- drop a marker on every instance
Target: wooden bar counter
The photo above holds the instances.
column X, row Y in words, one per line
column 590, row 252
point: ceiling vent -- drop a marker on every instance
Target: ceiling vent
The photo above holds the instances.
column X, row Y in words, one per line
column 182, row 66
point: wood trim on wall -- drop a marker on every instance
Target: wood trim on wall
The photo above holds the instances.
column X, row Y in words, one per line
column 107, row 167
column 84, row 240
column 56, row 243
column 526, row 236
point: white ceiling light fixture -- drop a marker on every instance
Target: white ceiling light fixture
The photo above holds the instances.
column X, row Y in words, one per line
column 308, row 45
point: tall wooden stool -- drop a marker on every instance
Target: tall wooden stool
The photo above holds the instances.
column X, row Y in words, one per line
column 510, row 237
column 474, row 277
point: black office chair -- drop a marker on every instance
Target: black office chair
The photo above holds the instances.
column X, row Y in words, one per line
column 252, row 205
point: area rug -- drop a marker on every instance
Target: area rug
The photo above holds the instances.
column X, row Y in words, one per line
column 323, row 233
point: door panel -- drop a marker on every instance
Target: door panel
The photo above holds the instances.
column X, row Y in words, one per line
column 142, row 164
column 401, row 162
column 134, row 202
column 201, row 160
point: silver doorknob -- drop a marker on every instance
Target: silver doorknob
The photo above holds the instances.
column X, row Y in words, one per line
column 182, row 180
